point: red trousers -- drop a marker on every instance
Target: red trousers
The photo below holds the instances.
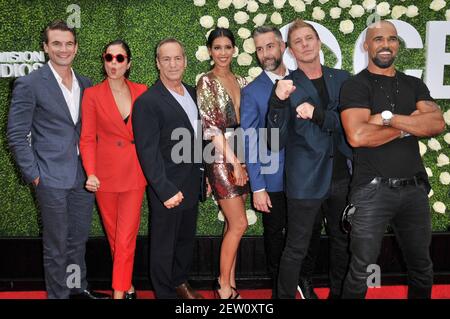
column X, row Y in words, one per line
column 121, row 214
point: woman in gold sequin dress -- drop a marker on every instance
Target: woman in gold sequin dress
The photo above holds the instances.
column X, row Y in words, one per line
column 219, row 95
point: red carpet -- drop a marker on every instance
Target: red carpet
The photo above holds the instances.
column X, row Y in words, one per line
column 385, row 292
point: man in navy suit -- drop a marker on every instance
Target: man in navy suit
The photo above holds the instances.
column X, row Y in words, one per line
column 266, row 168
column 43, row 134
column 304, row 107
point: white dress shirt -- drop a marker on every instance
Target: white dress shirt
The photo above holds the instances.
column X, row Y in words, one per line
column 72, row 95
column 188, row 105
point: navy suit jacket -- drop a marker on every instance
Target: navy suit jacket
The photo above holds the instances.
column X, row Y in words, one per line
column 38, row 106
column 309, row 147
column 264, row 171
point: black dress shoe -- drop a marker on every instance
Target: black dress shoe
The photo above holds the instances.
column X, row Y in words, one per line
column 306, row 289
column 90, row 294
column 130, row 295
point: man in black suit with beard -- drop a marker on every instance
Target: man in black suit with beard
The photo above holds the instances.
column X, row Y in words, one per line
column 167, row 107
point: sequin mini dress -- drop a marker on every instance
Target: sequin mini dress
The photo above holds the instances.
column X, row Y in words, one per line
column 219, row 117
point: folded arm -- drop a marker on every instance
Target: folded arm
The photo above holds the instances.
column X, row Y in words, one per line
column 361, row 133
column 427, row 121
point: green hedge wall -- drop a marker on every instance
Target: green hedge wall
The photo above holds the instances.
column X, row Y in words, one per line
column 142, row 24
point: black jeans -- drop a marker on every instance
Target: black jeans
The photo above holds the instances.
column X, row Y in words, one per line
column 302, row 215
column 275, row 226
column 406, row 208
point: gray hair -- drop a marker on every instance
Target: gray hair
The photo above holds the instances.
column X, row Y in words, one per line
column 169, row 40
column 266, row 29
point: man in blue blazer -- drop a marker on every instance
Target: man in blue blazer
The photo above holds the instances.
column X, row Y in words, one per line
column 266, row 168
column 43, row 134
column 304, row 107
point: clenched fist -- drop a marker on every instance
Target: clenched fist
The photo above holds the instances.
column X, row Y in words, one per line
column 305, row 111
column 284, row 89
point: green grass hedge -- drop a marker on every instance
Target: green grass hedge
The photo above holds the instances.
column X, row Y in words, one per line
column 142, row 24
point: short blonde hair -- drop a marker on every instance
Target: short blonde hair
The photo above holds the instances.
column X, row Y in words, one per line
column 298, row 24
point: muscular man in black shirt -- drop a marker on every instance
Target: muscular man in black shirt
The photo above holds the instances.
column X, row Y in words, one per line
column 383, row 113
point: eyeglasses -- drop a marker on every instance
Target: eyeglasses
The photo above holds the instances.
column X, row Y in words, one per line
column 108, row 57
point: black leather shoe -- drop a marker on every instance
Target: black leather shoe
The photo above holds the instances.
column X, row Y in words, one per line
column 130, row 295
column 90, row 294
column 306, row 289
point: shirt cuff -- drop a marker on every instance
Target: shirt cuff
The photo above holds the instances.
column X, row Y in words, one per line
column 318, row 116
column 260, row 190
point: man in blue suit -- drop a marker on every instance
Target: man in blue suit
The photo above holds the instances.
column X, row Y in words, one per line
column 304, row 107
column 43, row 134
column 265, row 168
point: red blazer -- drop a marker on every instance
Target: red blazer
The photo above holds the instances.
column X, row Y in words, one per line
column 107, row 143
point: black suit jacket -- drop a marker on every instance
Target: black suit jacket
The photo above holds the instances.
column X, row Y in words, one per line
column 156, row 117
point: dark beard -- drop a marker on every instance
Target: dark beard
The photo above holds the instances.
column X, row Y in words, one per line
column 273, row 66
column 383, row 64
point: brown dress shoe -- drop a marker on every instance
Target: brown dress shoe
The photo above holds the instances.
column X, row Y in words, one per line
column 185, row 291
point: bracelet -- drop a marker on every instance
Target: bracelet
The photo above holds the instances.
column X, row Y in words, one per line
column 404, row 134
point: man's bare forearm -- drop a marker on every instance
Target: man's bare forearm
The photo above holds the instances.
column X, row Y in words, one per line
column 420, row 125
column 372, row 135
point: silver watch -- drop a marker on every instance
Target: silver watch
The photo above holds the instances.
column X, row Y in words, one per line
column 386, row 116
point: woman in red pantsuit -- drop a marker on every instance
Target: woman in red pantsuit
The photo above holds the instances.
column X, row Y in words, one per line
column 110, row 160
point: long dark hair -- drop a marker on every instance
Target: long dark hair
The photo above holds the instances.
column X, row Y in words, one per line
column 220, row 32
column 125, row 46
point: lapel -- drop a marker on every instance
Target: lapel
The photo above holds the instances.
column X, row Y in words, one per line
column 193, row 93
column 262, row 94
column 330, row 82
column 82, row 88
column 109, row 107
column 265, row 81
column 55, row 91
column 303, row 83
column 174, row 105
column 308, row 86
